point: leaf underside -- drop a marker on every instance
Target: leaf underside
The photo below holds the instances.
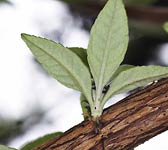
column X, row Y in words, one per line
column 81, row 53
column 108, row 43
column 135, row 77
column 120, row 69
column 61, row 63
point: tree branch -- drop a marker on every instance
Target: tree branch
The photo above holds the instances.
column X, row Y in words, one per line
column 125, row 125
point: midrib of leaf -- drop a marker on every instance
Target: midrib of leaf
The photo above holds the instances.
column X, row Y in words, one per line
column 74, row 79
column 115, row 92
column 105, row 57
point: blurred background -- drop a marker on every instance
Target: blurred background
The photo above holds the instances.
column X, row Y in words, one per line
column 32, row 103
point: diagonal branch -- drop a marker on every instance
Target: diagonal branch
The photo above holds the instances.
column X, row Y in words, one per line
column 125, row 125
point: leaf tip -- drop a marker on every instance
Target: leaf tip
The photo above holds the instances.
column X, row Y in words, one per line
column 24, row 35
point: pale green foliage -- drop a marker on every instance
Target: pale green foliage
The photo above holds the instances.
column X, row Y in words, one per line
column 2, row 147
column 98, row 66
column 135, row 77
column 121, row 69
column 108, row 43
column 37, row 142
column 61, row 63
column 82, row 53
column 165, row 26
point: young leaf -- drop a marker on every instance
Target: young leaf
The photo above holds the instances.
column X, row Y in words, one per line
column 61, row 63
column 82, row 53
column 118, row 71
column 2, row 147
column 121, row 69
column 108, row 43
column 135, row 77
column 35, row 143
column 85, row 107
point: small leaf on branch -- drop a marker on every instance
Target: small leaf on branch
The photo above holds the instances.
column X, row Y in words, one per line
column 61, row 63
column 82, row 53
column 135, row 77
column 121, row 69
column 108, row 43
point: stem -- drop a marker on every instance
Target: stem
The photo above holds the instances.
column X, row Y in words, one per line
column 97, row 109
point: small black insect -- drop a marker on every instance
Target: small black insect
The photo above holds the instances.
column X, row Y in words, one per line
column 93, row 85
column 105, row 89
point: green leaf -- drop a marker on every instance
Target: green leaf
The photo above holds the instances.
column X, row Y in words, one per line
column 85, row 107
column 4, row 1
column 135, row 77
column 165, row 26
column 61, row 63
column 2, row 147
column 39, row 141
column 121, row 69
column 82, row 54
column 108, row 43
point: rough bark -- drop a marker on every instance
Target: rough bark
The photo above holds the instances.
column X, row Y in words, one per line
column 123, row 126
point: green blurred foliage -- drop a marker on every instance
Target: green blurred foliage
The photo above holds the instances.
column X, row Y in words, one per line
column 39, row 141
column 9, row 129
column 165, row 26
column 12, row 128
column 3, row 147
column 4, row 1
